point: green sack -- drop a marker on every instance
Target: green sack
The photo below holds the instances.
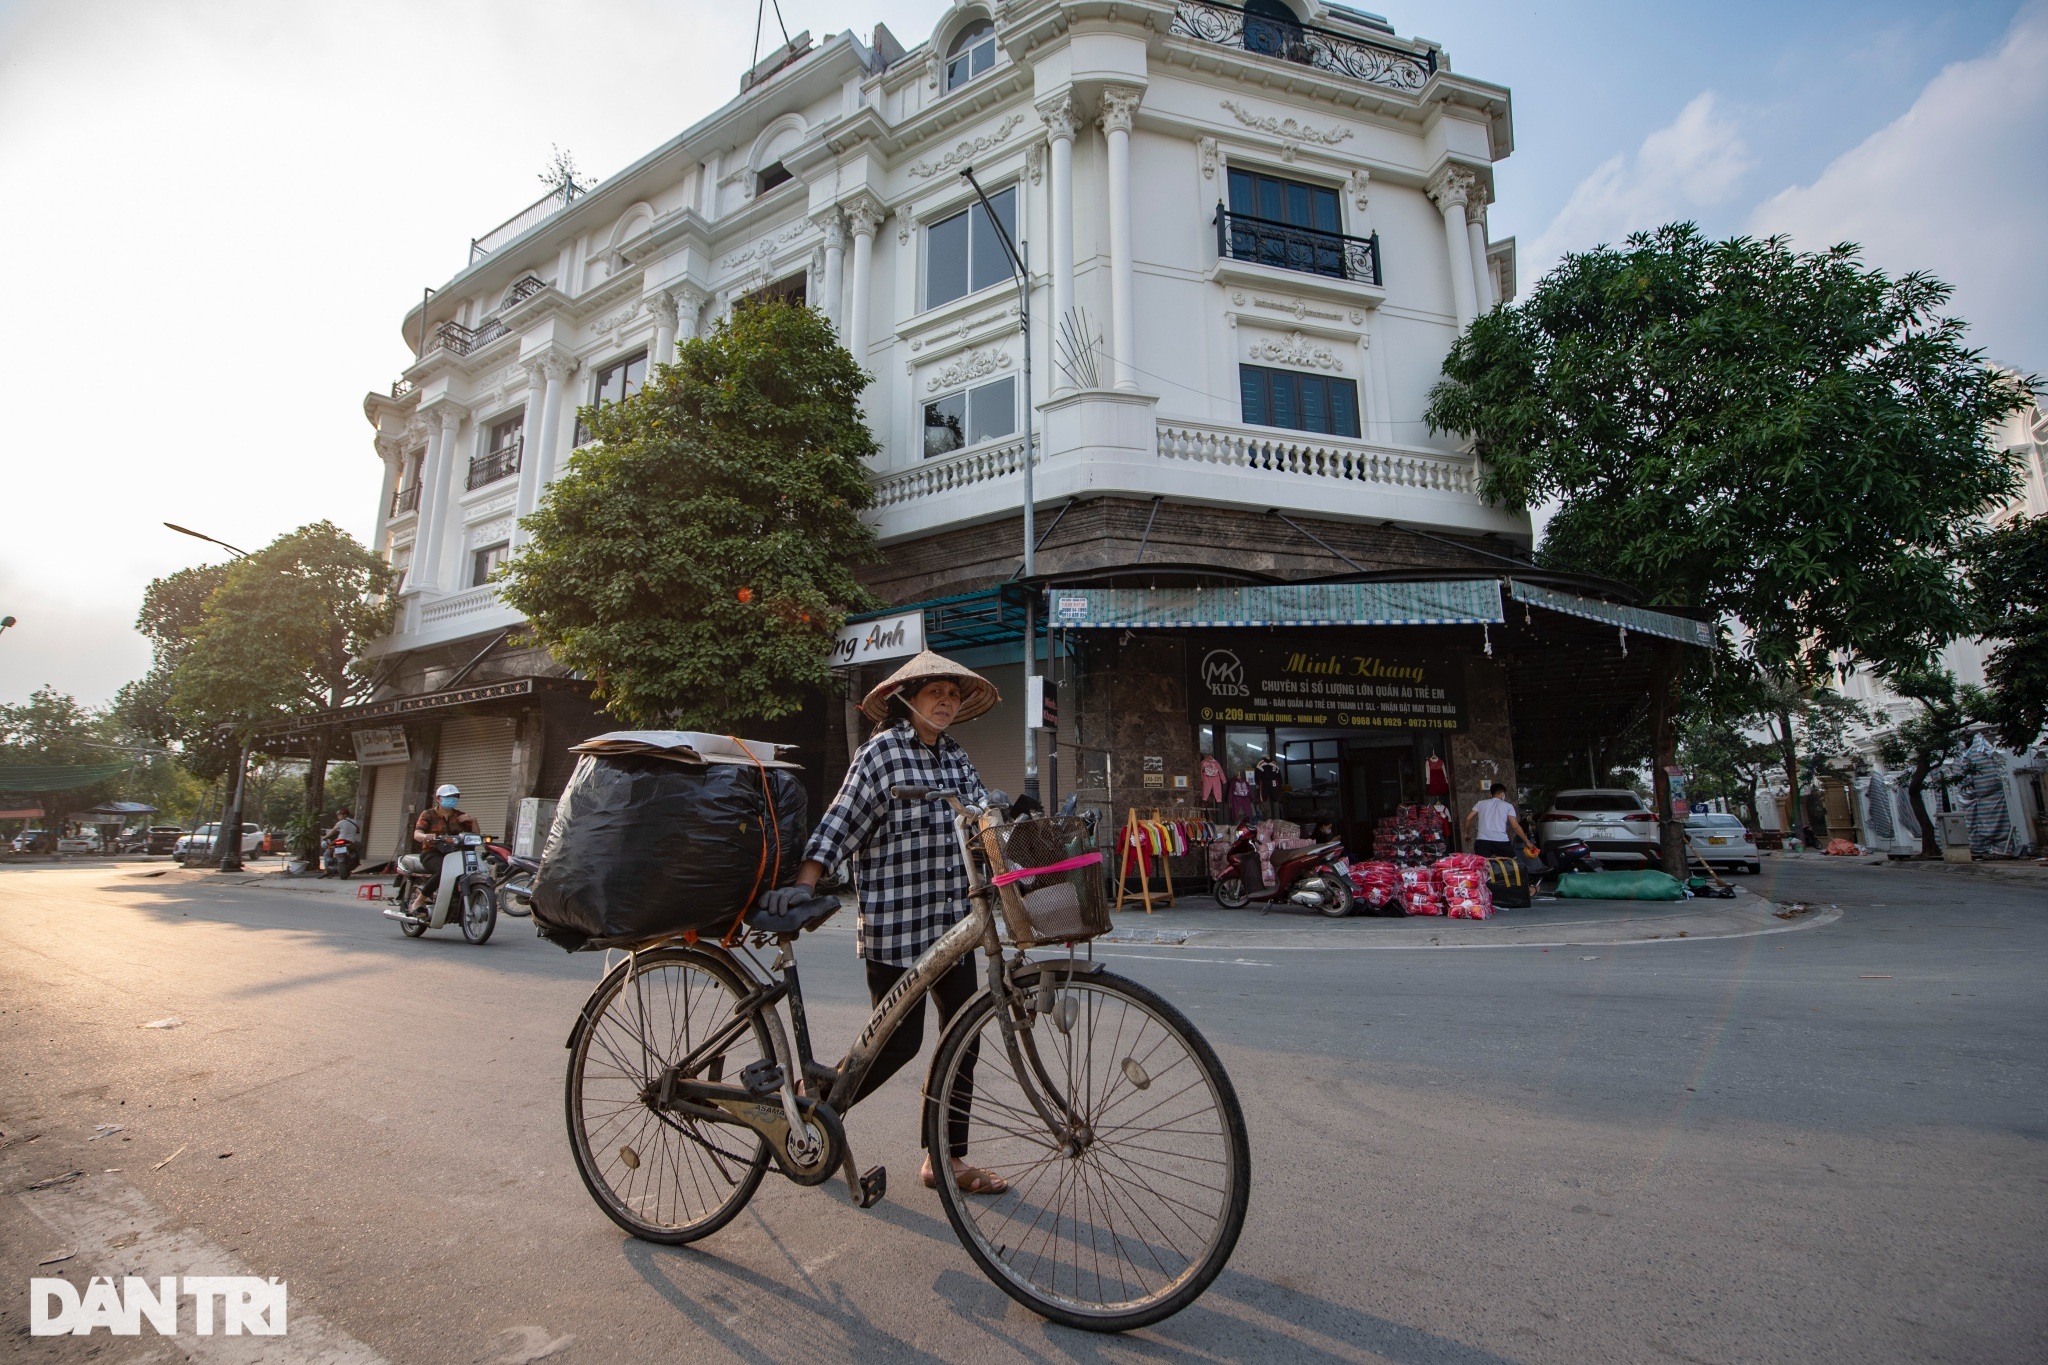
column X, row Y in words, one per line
column 1620, row 886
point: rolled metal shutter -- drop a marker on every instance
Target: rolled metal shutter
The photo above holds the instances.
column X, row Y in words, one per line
column 476, row 755
column 383, row 835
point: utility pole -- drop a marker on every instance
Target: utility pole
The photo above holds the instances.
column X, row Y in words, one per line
column 1023, row 278
column 227, row 839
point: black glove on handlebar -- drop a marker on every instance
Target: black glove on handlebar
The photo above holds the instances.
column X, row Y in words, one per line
column 784, row 899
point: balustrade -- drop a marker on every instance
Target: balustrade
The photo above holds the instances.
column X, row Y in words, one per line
column 1338, row 53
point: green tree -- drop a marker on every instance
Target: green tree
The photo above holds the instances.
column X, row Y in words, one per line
column 1738, row 430
column 173, row 609
column 1936, row 731
column 2010, row 568
column 696, row 561
column 52, row 730
column 284, row 634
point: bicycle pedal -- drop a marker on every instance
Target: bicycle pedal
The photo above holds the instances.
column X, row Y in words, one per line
column 762, row 1078
column 873, row 1186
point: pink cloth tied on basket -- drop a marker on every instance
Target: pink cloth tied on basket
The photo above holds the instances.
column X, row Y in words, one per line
column 1064, row 865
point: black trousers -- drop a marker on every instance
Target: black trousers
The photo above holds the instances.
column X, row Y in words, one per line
column 1494, row 848
column 953, row 990
column 432, row 863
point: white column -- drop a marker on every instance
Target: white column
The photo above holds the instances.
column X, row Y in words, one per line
column 554, row 371
column 662, row 305
column 1379, row 423
column 529, row 450
column 444, row 423
column 864, row 215
column 1475, row 230
column 1119, row 108
column 835, row 267
column 1062, row 121
column 392, row 452
column 1450, row 188
column 690, row 301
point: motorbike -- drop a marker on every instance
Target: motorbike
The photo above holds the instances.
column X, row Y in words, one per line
column 512, row 876
column 467, row 892
column 342, row 857
column 1310, row 876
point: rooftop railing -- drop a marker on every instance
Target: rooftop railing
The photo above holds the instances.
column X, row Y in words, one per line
column 547, row 206
column 1241, row 237
column 1339, row 53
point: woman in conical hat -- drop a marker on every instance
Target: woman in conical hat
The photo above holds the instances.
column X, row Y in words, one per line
column 908, row 874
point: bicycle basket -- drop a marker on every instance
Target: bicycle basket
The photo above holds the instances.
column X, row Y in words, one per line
column 1049, row 877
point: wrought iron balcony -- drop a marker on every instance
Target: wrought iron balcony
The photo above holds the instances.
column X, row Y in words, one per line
column 405, row 500
column 401, row 388
column 523, row 288
column 1339, row 53
column 453, row 336
column 1241, row 237
column 494, row 465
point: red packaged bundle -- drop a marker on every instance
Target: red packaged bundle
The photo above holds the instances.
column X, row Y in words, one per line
column 1466, row 893
column 1377, row 884
column 1421, row 892
column 1461, row 862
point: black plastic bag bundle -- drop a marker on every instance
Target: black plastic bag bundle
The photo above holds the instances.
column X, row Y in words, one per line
column 644, row 846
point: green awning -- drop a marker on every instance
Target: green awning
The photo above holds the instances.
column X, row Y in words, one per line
column 58, row 777
column 1638, row 619
column 1473, row 601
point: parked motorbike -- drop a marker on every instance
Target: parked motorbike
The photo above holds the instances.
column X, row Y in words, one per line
column 512, row 876
column 342, row 857
column 1309, row 876
column 467, row 892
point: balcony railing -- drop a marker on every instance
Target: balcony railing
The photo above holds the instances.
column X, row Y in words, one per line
column 405, row 500
column 1241, row 237
column 547, row 206
column 1339, row 53
column 494, row 465
column 1310, row 456
column 401, row 388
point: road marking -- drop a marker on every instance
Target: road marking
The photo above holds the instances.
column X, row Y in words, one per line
column 1177, row 957
column 1806, row 922
column 118, row 1232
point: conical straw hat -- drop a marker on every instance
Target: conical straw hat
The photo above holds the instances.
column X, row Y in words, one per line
column 977, row 694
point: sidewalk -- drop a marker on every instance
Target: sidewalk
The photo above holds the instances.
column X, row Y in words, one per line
column 2014, row 869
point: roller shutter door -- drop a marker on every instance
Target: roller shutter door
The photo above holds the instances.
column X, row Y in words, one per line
column 476, row 755
column 384, row 833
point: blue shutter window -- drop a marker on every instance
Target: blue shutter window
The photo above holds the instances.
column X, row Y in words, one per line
column 1298, row 402
column 1251, row 383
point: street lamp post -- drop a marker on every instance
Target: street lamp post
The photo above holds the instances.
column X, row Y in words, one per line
column 227, row 840
column 1023, row 278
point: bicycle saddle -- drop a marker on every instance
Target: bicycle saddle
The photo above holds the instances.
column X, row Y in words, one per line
column 799, row 917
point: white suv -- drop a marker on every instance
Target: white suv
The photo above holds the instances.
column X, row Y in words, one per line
column 1616, row 824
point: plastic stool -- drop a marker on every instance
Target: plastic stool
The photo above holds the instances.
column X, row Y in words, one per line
column 370, row 891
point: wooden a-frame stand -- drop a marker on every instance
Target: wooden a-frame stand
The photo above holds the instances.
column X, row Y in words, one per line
column 1130, row 854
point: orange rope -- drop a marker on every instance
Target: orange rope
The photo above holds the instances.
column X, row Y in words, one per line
column 775, row 824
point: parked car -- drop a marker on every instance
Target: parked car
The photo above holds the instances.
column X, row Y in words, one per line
column 1618, row 826
column 78, row 843
column 159, row 838
column 1723, row 841
column 199, row 843
column 29, row 840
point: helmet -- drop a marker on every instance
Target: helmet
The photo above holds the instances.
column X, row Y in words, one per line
column 447, row 789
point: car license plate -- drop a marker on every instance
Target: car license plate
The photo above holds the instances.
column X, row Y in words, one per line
column 1716, row 839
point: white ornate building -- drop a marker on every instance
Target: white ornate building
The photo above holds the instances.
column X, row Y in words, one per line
column 1252, row 236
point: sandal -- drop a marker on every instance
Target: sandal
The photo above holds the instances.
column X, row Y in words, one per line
column 970, row 1179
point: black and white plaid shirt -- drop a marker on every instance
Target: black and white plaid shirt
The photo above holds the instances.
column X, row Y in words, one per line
column 907, row 872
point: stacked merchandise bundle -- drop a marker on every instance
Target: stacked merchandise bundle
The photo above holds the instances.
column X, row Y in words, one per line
column 1413, row 836
column 1268, row 834
column 1463, row 877
column 1376, row 884
column 1422, row 891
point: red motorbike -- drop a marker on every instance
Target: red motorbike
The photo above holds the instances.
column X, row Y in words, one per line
column 1312, row 876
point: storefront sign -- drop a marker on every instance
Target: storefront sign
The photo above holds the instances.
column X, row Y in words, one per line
column 382, row 746
column 867, row 642
column 1309, row 681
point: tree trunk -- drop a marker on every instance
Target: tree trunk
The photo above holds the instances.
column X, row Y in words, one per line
column 1664, row 676
column 316, row 779
column 1788, row 752
column 1930, row 838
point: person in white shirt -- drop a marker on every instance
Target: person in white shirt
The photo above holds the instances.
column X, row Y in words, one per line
column 1495, row 818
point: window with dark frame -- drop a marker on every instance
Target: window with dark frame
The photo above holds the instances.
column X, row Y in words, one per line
column 964, row 253
column 499, row 459
column 771, row 175
column 616, row 382
column 1298, row 402
column 968, row 417
column 505, row 433
column 485, row 561
column 972, row 53
column 1293, row 202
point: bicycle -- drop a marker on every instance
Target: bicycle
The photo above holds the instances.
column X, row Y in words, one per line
column 1107, row 1113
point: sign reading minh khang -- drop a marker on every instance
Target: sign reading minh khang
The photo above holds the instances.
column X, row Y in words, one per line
column 1307, row 681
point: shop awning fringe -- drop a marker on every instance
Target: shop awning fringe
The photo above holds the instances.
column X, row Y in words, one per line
column 1639, row 619
column 1453, row 602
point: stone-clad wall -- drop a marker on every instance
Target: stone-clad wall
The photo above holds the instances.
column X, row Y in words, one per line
column 1483, row 753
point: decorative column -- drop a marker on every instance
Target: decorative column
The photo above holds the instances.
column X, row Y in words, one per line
column 529, row 451
column 1451, row 187
column 1062, row 120
column 554, row 373
column 437, row 503
column 1119, row 110
column 391, row 451
column 662, row 305
column 1475, row 231
column 864, row 215
column 834, row 228
column 690, row 301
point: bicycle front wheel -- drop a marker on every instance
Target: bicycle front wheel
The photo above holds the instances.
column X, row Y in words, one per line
column 1128, row 1216
column 662, row 1176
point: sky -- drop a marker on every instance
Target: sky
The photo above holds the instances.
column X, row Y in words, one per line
column 219, row 210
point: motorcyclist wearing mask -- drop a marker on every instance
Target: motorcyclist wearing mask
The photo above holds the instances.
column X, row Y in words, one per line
column 910, row 880
column 442, row 820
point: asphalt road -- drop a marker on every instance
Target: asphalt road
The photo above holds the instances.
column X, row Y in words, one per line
column 1818, row 1145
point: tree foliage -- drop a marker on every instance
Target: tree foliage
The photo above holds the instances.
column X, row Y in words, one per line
column 1923, row 741
column 2010, row 566
column 697, row 560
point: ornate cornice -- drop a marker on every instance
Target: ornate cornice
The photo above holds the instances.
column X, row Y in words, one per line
column 1296, row 350
column 973, row 365
column 1292, row 132
column 1119, row 108
column 968, row 149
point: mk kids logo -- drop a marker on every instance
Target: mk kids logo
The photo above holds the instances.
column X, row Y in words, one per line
column 1223, row 674
column 246, row 1304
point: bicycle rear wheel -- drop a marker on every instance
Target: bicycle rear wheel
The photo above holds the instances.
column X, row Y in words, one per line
column 1131, row 1220
column 662, row 1176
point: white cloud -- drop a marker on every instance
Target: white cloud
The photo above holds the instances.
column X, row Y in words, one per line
column 1958, row 186
column 1692, row 163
